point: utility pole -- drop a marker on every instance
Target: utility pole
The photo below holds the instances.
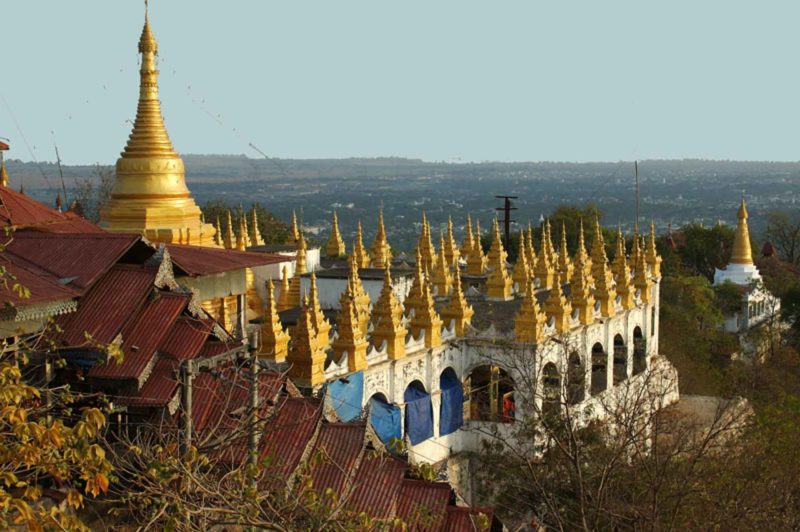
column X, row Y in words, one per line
column 187, row 376
column 507, row 208
column 253, row 340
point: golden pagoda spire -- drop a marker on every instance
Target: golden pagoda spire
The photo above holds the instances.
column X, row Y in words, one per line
column 604, row 291
column 457, row 308
column 551, row 250
column 581, row 255
column 652, row 257
column 640, row 280
column 564, row 262
column 299, row 270
column 274, row 340
column 255, row 233
column 496, row 253
column 498, row 285
column 306, row 356
column 529, row 321
column 441, row 278
column 218, row 233
column 742, row 254
column 350, row 339
column 294, row 231
column 284, row 299
column 241, row 234
column 558, row 307
column 228, row 239
column 387, row 320
column 3, row 172
column 522, row 274
column 335, row 246
column 361, row 296
column 622, row 275
column 581, row 283
column 476, row 261
column 450, row 248
column 635, row 252
column 426, row 319
column 425, row 245
column 619, row 253
column 149, row 195
column 467, row 244
column 530, row 251
column 414, row 298
column 321, row 325
column 545, row 269
column 359, row 253
column 381, row 252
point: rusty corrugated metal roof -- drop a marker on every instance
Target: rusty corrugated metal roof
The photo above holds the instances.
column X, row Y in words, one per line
column 43, row 287
column 142, row 335
column 186, row 338
column 108, row 306
column 288, row 434
column 194, row 260
column 422, row 504
column 19, row 210
column 339, row 445
column 83, row 257
column 159, row 389
column 377, row 485
column 460, row 518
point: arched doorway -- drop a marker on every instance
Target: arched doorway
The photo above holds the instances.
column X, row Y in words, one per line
column 551, row 391
column 599, row 369
column 639, row 351
column 385, row 419
column 451, row 411
column 576, row 379
column 419, row 413
column 620, row 359
column 489, row 395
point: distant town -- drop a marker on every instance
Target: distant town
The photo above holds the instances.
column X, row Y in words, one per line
column 672, row 192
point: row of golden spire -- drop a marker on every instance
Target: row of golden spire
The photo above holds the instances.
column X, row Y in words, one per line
column 597, row 286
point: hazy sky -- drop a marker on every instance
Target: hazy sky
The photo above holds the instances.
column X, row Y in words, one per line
column 438, row 80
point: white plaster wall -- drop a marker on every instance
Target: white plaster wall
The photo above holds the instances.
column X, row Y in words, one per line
column 330, row 290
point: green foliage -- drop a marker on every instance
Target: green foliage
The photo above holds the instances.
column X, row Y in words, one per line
column 705, row 248
column 783, row 230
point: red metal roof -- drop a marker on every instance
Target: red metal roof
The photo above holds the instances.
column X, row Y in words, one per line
column 19, row 210
column 3, row 146
column 108, row 306
column 142, row 335
column 194, row 260
column 460, row 518
column 186, row 338
column 73, row 223
column 217, row 347
column 43, row 287
column 339, row 446
column 82, row 256
column 377, row 485
column 288, row 434
column 422, row 504
column 159, row 388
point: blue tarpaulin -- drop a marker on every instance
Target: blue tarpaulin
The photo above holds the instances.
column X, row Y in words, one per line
column 346, row 396
column 451, row 414
column 385, row 419
column 419, row 415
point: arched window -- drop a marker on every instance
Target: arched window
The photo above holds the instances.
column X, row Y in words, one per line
column 490, row 395
column 599, row 369
column 639, row 351
column 419, row 413
column 576, row 379
column 451, row 411
column 551, row 390
column 385, row 418
column 620, row 359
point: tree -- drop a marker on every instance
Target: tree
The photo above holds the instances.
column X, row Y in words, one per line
column 783, row 230
column 706, row 249
column 92, row 193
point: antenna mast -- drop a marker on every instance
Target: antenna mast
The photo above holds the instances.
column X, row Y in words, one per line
column 636, row 173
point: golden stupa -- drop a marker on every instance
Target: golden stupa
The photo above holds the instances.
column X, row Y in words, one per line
column 150, row 194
